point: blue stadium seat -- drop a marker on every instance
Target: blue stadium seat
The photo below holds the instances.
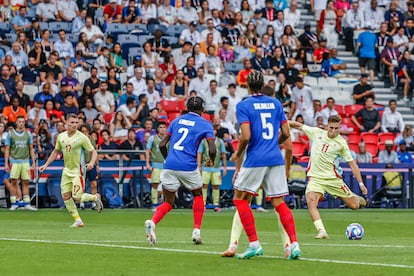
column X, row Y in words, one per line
column 176, row 30
column 126, row 47
column 11, row 37
column 126, row 38
column 5, row 26
column 153, row 27
column 116, row 28
column 233, row 67
column 44, row 25
column 171, row 39
column 144, row 38
column 54, row 27
column 133, row 27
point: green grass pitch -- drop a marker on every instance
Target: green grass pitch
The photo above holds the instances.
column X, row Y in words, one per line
column 113, row 243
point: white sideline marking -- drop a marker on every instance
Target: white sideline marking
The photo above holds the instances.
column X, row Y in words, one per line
column 200, row 252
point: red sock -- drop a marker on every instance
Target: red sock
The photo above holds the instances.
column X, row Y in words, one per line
column 247, row 218
column 161, row 211
column 286, row 217
column 198, row 211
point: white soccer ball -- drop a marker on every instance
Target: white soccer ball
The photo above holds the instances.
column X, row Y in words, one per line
column 354, row 231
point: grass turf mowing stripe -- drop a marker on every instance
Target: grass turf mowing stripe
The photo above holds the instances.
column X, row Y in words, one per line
column 199, row 252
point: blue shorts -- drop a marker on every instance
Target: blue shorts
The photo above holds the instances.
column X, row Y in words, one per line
column 92, row 174
column 4, row 176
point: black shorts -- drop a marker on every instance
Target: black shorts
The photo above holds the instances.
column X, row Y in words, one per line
column 367, row 62
column 92, row 174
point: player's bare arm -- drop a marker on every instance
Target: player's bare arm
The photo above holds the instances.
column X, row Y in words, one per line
column 284, row 134
column 92, row 162
column 163, row 145
column 224, row 160
column 295, row 125
column 211, row 152
column 6, row 159
column 356, row 172
column 51, row 158
column 32, row 155
column 147, row 159
column 287, row 144
column 243, row 142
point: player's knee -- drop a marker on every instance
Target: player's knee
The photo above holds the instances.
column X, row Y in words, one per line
column 205, row 186
column 77, row 197
column 215, row 187
column 66, row 196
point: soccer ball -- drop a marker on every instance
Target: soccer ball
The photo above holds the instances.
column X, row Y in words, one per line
column 354, row 231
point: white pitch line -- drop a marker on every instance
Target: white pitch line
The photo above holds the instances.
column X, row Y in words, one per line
column 201, row 252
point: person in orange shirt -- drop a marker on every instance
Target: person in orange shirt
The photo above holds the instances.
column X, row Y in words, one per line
column 12, row 111
column 206, row 43
column 242, row 75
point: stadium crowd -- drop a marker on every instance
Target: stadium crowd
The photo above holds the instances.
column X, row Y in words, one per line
column 125, row 66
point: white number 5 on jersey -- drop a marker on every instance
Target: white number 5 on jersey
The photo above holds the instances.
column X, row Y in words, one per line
column 268, row 130
column 177, row 145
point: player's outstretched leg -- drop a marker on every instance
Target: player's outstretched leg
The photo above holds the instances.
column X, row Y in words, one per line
column 198, row 212
column 284, row 236
column 247, row 219
column 312, row 199
column 236, row 230
column 85, row 197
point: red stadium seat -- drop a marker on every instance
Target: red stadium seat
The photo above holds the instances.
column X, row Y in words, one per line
column 368, row 137
column 384, row 136
column 353, row 147
column 374, row 159
column 351, row 109
column 208, row 117
column 173, row 115
column 372, row 148
column 108, row 117
column 169, row 106
column 348, row 122
column 381, row 146
column 298, row 149
column 304, row 159
column 354, row 138
column 181, row 105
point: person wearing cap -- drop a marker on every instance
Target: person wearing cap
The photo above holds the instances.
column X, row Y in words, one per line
column 131, row 14
column 362, row 90
column 167, row 14
column 136, row 62
column 392, row 120
column 308, row 37
column 390, row 56
column 388, row 155
column 371, row 120
column 187, row 14
column 292, row 14
column 302, row 102
column 354, row 20
column 403, row 155
column 112, row 12
column 191, row 34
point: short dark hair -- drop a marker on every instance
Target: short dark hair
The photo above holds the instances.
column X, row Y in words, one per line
column 222, row 99
column 130, row 100
column 334, row 119
column 195, row 104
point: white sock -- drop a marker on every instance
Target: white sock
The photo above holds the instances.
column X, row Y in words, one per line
column 236, row 230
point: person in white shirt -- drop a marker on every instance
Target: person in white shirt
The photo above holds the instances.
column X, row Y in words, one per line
column 187, row 13
column 181, row 54
column 138, row 82
column 374, row 16
column 93, row 32
column 257, row 4
column 211, row 99
column 211, row 30
column 191, row 34
column 392, row 120
column 129, row 108
column 230, row 113
column 354, row 20
column 136, row 63
column 46, row 11
column 102, row 63
column 364, row 5
column 400, row 40
column 153, row 95
column 67, row 9
column 200, row 84
column 234, row 98
column 104, row 100
column 328, row 110
column 292, row 14
column 36, row 113
column 215, row 4
column 227, row 124
column 302, row 102
column 148, row 11
column 167, row 14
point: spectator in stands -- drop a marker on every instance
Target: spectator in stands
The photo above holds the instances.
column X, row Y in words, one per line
column 149, row 60
column 179, row 87
column 112, row 13
column 11, row 112
column 230, row 111
column 148, row 12
column 24, row 99
column 129, row 109
column 52, row 113
column 400, row 40
column 392, row 120
column 20, row 22
column 214, row 63
column 269, row 12
column 354, row 20
column 320, row 50
column 152, row 94
column 362, row 90
column 102, row 63
column 389, row 57
column 212, row 99
column 317, row 6
column 317, row 117
column 89, row 110
column 98, row 126
column 64, row 47
column 138, row 82
column 74, row 85
column 293, row 41
column 167, row 14
column 115, row 58
column 266, row 45
column 47, row 11
column 371, row 120
column 367, row 42
column 302, row 102
column 374, row 16
column 189, row 70
column 159, row 83
column 292, row 14
column 44, row 140
column 137, row 62
column 93, row 81
column 388, row 155
column 330, row 25
column 362, row 156
column 336, row 65
column 79, row 22
column 226, row 12
column 216, row 36
column 160, row 45
column 260, row 62
column 209, row 41
column 230, row 33
column 410, row 10
column 4, row 97
column 392, row 14
column 148, row 127
column 6, row 12
column 215, row 15
column 131, row 14
column 308, row 37
column 142, row 109
column 9, row 82
column 329, row 110
column 277, row 62
column 107, row 144
column 83, row 46
column 132, row 144
column 30, row 74
column 187, row 13
column 69, row 107
column 19, row 57
column 104, row 100
column 225, row 53
column 241, row 78
column 200, row 58
column 169, row 69
column 67, row 10
column 38, row 53
column 190, row 34
column 296, row 134
column 118, row 128
column 60, row 97
column 182, row 54
column 290, row 72
column 241, row 50
column 93, row 33
column 47, row 44
column 23, row 41
column 225, row 123
column 45, row 94
column 221, row 132
column 114, row 85
column 407, row 136
column 403, row 155
column 200, row 84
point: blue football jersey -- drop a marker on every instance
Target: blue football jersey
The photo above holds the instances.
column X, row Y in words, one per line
column 186, row 133
column 265, row 115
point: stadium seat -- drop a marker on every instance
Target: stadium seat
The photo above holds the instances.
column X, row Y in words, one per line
column 143, row 38
column 5, row 26
column 368, row 137
column 233, row 67
column 11, row 37
column 176, row 30
column 82, row 76
column 353, row 147
column 116, row 28
column 31, row 90
column 298, row 149
column 125, row 49
column 384, row 136
column 181, row 105
column 354, row 138
column 172, row 40
column 169, row 106
column 173, row 115
column 108, row 117
column 126, row 38
column 207, row 116
column 44, row 25
column 351, row 109
column 153, row 27
column 348, row 122
column 136, row 27
column 328, row 82
column 55, row 26
column 235, row 144
column 372, row 148
column 311, row 81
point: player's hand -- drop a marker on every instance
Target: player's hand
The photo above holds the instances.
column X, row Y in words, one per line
column 209, row 163
column 6, row 168
column 364, row 190
column 32, row 167
column 224, row 171
column 148, row 167
column 89, row 167
column 233, row 157
column 42, row 168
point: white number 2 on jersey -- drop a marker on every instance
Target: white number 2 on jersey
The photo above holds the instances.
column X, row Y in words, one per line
column 177, row 144
column 268, row 130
